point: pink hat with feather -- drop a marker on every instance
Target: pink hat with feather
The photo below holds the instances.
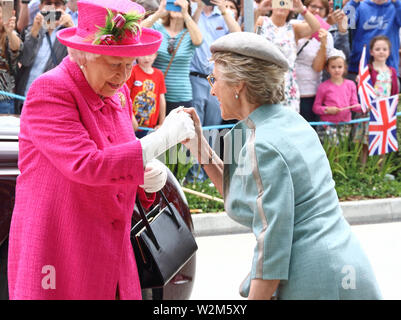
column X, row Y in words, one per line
column 111, row 27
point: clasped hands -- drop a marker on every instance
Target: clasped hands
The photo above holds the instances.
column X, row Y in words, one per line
column 177, row 127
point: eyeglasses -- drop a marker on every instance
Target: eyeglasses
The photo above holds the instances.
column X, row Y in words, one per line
column 313, row 7
column 170, row 47
column 211, row 79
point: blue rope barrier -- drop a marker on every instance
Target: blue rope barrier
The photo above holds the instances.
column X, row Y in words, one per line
column 12, row 95
column 225, row 126
column 320, row 123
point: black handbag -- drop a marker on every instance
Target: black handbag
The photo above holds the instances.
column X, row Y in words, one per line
column 162, row 244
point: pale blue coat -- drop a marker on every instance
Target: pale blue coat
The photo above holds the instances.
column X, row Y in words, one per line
column 278, row 182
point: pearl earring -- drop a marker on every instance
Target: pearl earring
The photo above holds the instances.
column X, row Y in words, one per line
column 236, row 96
column 82, row 67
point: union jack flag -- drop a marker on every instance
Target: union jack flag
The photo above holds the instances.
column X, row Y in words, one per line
column 366, row 91
column 383, row 126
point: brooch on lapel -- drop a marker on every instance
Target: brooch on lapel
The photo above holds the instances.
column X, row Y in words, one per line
column 122, row 99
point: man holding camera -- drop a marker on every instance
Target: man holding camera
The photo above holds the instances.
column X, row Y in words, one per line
column 42, row 50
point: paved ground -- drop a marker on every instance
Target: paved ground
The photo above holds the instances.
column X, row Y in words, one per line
column 223, row 261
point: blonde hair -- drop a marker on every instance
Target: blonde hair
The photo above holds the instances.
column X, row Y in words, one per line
column 264, row 81
column 80, row 57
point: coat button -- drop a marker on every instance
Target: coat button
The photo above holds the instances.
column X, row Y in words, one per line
column 117, row 225
column 110, row 138
column 120, row 196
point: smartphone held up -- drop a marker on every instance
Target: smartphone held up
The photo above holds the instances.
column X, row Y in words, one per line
column 337, row 4
column 7, row 10
column 51, row 15
column 282, row 4
column 170, row 6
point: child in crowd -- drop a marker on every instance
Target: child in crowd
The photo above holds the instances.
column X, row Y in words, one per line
column 336, row 97
column 147, row 93
column 384, row 80
column 384, row 77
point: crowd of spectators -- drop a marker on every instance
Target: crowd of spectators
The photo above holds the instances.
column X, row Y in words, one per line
column 309, row 34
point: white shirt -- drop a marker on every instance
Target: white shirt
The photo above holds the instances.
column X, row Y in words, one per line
column 308, row 79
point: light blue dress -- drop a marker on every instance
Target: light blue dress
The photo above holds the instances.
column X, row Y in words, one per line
column 278, row 182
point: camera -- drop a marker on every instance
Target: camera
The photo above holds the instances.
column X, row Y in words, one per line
column 50, row 15
column 8, row 8
column 282, row 4
column 337, row 4
column 170, row 6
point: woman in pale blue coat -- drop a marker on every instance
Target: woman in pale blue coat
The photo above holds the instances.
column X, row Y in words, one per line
column 276, row 180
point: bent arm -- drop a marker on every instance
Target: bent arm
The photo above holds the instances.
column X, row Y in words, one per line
column 150, row 21
column 318, row 106
column 212, row 165
column 56, row 130
column 23, row 17
column 232, row 25
column 14, row 41
column 193, row 29
column 320, row 59
column 262, row 289
column 306, row 29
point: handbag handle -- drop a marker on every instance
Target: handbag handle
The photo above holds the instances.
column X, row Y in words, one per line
column 147, row 225
column 146, row 221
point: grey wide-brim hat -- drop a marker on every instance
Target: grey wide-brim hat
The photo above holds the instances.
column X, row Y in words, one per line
column 250, row 45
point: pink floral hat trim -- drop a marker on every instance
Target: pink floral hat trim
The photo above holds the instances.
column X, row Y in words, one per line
column 111, row 27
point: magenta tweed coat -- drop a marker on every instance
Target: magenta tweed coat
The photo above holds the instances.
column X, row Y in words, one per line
column 80, row 169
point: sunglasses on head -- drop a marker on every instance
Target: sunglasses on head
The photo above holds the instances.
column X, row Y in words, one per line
column 170, row 46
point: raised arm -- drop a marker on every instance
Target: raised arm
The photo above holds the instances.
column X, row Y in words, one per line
column 205, row 155
column 232, row 25
column 198, row 11
column 193, row 29
column 160, row 13
column 307, row 28
column 23, row 17
column 13, row 40
column 320, row 59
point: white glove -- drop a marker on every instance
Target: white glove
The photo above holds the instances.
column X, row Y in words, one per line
column 155, row 176
column 177, row 127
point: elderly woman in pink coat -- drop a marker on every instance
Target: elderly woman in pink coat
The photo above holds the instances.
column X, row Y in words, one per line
column 81, row 165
